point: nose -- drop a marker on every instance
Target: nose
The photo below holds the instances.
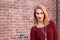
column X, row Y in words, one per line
column 40, row 15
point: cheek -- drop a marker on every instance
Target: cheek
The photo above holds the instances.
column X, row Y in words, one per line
column 37, row 15
column 42, row 16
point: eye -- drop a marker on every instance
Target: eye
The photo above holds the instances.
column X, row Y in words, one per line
column 41, row 13
column 37, row 13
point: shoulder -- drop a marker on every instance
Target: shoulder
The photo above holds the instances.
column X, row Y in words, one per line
column 52, row 22
column 33, row 28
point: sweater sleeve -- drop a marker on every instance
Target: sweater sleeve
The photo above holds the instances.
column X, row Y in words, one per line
column 55, row 30
column 32, row 35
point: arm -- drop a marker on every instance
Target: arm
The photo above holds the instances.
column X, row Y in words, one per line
column 32, row 35
column 55, row 30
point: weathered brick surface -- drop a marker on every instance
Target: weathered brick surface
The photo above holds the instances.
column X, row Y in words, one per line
column 16, row 17
column 59, row 18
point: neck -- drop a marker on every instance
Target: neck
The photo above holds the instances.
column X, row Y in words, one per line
column 40, row 24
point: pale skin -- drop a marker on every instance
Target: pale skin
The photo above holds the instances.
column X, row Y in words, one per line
column 40, row 16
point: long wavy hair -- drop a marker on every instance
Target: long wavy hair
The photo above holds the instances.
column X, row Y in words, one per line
column 45, row 19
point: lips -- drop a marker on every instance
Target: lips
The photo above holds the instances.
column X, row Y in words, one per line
column 39, row 17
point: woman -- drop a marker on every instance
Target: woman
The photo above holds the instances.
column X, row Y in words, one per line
column 44, row 28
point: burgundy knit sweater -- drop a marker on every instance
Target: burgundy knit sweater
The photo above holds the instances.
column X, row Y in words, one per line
column 37, row 33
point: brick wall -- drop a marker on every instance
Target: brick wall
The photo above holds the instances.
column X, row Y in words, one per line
column 59, row 18
column 16, row 17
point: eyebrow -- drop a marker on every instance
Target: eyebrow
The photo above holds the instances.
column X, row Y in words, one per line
column 38, row 12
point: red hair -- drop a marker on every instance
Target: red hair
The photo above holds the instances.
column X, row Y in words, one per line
column 45, row 19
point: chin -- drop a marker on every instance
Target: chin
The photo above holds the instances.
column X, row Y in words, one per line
column 40, row 20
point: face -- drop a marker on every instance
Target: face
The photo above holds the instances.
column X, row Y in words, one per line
column 39, row 14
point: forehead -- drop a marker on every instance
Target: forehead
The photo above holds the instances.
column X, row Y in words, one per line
column 39, row 10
